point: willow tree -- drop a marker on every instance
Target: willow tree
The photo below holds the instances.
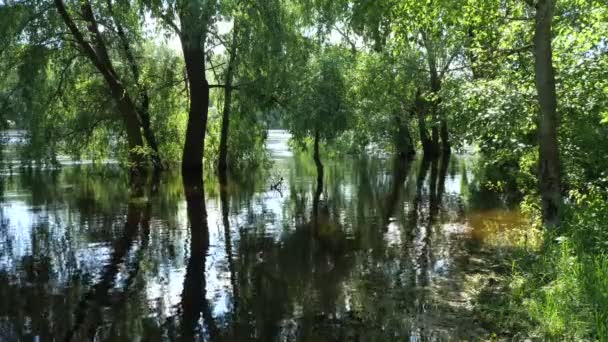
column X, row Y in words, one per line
column 436, row 29
column 126, row 21
column 91, row 41
column 321, row 111
column 252, row 64
column 192, row 22
column 385, row 86
column 88, row 71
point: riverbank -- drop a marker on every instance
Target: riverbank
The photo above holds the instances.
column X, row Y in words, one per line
column 558, row 291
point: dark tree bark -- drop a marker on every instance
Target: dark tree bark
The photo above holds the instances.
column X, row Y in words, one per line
column 317, row 158
column 417, row 201
column 97, row 54
column 319, row 189
column 192, row 37
column 144, row 98
column 435, row 135
column 439, row 185
column 549, row 166
column 223, row 155
column 316, row 199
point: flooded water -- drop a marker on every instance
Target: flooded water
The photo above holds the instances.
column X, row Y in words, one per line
column 386, row 251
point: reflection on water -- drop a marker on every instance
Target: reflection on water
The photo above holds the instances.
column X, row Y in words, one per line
column 381, row 252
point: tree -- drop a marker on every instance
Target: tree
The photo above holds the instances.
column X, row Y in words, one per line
column 195, row 22
column 126, row 12
column 385, row 86
column 228, row 88
column 95, row 49
column 549, row 176
column 253, row 67
column 320, row 112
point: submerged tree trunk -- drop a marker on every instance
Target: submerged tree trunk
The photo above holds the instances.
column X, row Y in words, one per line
column 89, row 310
column 400, row 171
column 549, row 166
column 144, row 98
column 445, row 136
column 99, row 57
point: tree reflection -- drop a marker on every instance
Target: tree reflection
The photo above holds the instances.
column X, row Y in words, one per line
column 349, row 258
column 194, row 295
column 225, row 207
column 88, row 315
column 401, row 167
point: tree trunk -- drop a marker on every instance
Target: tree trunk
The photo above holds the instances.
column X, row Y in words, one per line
column 403, row 139
column 144, row 107
column 223, row 155
column 194, row 56
column 435, row 136
column 400, row 171
column 99, row 58
column 317, row 158
column 549, row 167
column 445, row 136
column 438, row 119
column 429, row 149
column 147, row 127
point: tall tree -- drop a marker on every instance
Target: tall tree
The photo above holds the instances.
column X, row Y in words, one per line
column 195, row 20
column 549, row 176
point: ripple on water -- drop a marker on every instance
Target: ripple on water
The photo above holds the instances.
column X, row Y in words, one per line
column 379, row 255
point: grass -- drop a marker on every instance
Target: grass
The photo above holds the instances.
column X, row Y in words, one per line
column 559, row 292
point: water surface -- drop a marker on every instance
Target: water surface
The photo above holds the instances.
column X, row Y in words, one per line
column 387, row 251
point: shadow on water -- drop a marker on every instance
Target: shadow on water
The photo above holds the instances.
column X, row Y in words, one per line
column 379, row 250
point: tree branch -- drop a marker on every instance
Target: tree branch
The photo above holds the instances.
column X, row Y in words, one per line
column 448, row 63
column 169, row 22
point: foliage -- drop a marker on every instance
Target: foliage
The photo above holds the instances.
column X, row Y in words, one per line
column 384, row 95
column 321, row 107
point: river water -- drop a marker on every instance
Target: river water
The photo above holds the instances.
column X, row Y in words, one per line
column 386, row 251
